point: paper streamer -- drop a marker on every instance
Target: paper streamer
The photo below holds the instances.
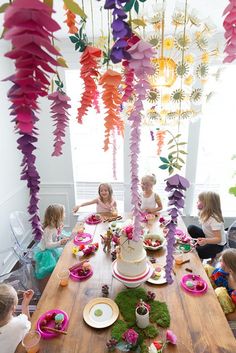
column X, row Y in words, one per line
column 29, row 25
column 89, row 72
column 160, row 135
column 59, row 113
column 176, row 185
column 230, row 31
column 110, row 81
column 114, row 154
column 140, row 63
column 71, row 21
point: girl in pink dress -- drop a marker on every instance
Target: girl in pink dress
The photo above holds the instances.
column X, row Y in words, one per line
column 105, row 201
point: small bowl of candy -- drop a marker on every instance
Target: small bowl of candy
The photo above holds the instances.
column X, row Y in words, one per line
column 154, row 241
column 52, row 323
column 93, row 219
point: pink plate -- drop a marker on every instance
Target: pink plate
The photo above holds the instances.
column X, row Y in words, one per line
column 46, row 334
column 76, row 277
column 82, row 238
column 89, row 221
column 193, row 278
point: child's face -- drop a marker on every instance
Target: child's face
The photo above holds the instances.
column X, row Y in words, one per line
column 199, row 205
column 104, row 192
column 146, row 185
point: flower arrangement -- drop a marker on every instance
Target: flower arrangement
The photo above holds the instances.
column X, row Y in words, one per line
column 142, row 307
column 158, row 347
column 129, row 342
column 87, row 250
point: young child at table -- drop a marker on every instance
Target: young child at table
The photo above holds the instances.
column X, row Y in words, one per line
column 49, row 249
column 223, row 278
column 13, row 328
column 150, row 201
column 211, row 237
column 104, row 201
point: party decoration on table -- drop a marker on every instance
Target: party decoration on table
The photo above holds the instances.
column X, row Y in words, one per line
column 105, row 290
column 30, row 81
column 140, row 53
column 154, row 241
column 181, row 236
column 93, row 219
column 106, row 241
column 159, row 346
column 88, row 73
column 176, row 185
column 230, row 35
column 89, row 249
column 82, row 238
column 100, row 312
column 194, row 284
column 60, row 115
column 81, row 271
column 158, row 276
column 110, row 81
column 52, row 323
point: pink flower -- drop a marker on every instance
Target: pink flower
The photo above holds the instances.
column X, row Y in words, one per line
column 130, row 336
column 171, row 337
column 162, row 220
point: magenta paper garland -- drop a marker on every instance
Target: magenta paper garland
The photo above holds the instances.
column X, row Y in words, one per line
column 59, row 113
column 230, row 31
column 29, row 26
column 176, row 185
column 140, row 63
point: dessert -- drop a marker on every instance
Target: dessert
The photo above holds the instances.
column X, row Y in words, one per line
column 94, row 218
column 59, row 318
column 153, row 242
column 200, row 285
column 189, row 284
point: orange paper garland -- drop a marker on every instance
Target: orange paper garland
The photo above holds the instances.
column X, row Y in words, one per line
column 70, row 21
column 112, row 100
column 160, row 140
column 88, row 72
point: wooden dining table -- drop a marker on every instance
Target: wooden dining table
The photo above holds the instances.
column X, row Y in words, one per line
column 198, row 321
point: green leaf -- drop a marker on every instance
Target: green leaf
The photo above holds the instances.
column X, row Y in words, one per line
column 177, row 166
column 177, row 136
column 232, row 190
column 170, row 141
column 4, row 7
column 78, row 45
column 181, row 160
column 171, row 169
column 129, row 5
column 164, row 166
column 172, row 146
column 57, row 82
column 182, row 143
column 73, row 39
column 136, row 6
column 164, row 160
column 142, row 0
column 170, row 157
column 183, row 152
column 75, row 8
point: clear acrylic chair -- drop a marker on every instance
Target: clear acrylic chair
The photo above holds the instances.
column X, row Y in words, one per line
column 231, row 236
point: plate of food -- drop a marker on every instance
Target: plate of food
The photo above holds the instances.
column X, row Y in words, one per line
column 52, row 323
column 158, row 276
column 82, row 238
column 100, row 312
column 93, row 219
column 194, row 284
column 154, row 241
column 81, row 271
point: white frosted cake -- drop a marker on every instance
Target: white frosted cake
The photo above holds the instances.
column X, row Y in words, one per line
column 132, row 257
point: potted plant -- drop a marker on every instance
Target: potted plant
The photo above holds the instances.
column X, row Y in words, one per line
column 142, row 314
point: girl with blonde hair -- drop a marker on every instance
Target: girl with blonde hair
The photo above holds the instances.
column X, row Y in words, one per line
column 211, row 237
column 150, row 201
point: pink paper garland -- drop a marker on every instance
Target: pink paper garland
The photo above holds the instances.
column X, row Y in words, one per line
column 140, row 63
column 29, row 26
column 230, row 31
column 59, row 113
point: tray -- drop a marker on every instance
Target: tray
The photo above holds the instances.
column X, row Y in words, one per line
column 100, row 312
column 46, row 334
column 193, row 278
column 76, row 277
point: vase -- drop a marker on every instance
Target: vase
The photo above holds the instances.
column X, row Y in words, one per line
column 142, row 320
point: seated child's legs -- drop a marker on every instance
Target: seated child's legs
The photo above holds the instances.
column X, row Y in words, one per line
column 195, row 232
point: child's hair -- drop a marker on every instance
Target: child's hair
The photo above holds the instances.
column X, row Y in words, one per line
column 229, row 259
column 151, row 178
column 211, row 206
column 8, row 298
column 53, row 216
column 109, row 188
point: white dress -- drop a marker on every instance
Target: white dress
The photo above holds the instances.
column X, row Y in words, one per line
column 13, row 332
column 212, row 224
column 148, row 202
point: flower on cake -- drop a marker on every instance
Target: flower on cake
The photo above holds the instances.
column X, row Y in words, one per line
column 128, row 231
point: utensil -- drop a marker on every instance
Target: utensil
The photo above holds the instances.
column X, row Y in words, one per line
column 51, row 329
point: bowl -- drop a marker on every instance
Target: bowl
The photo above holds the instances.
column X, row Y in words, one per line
column 154, row 241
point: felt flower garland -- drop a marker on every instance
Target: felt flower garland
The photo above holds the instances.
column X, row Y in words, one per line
column 110, row 81
column 29, row 25
column 121, row 30
column 230, row 31
column 89, row 71
column 140, row 53
column 71, row 21
column 176, row 185
column 59, row 114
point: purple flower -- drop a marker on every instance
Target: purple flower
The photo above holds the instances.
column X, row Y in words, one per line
column 130, row 336
column 171, row 337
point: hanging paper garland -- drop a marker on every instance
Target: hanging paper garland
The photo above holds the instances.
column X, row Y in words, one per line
column 160, row 135
column 88, row 72
column 110, row 81
column 114, row 154
column 176, row 185
column 230, row 32
column 59, row 113
column 70, row 21
column 140, row 53
column 96, row 101
column 29, row 25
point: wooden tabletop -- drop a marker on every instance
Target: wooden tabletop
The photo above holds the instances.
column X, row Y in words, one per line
column 198, row 321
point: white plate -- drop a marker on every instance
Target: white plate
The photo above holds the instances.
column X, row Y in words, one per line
column 161, row 279
column 100, row 312
column 155, row 247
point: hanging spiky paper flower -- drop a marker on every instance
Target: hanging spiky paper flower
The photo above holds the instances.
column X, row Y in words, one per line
column 168, row 43
column 189, row 58
column 196, row 95
column 155, row 40
column 205, row 57
column 178, row 95
column 153, row 114
column 202, row 42
column 172, row 115
column 194, row 19
column 165, row 98
column 153, row 96
column 187, row 114
column 188, row 80
column 182, row 41
column 178, row 18
column 156, row 19
column 202, row 70
column 182, row 69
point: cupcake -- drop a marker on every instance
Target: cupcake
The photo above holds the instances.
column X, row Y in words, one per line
column 189, row 284
column 59, row 318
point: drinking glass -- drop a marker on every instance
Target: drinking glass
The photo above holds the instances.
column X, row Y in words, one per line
column 31, row 341
column 64, row 277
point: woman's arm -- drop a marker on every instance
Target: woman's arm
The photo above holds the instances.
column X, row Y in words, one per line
column 76, row 208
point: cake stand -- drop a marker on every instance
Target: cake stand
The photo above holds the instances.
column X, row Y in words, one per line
column 132, row 282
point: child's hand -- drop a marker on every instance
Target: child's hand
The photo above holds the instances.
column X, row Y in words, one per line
column 75, row 209
column 201, row 241
column 27, row 296
column 64, row 241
